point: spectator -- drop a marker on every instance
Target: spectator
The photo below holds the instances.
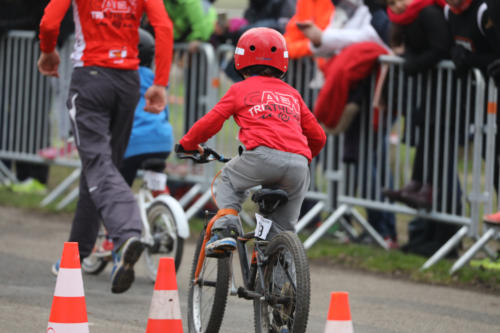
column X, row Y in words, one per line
column 194, row 21
column 317, row 11
column 151, row 135
column 421, row 35
column 103, row 94
column 278, row 132
column 476, row 44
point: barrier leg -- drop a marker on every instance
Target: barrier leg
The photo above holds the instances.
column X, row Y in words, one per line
column 8, row 174
column 473, row 250
column 334, row 217
column 61, row 187
column 68, row 198
column 372, row 232
column 306, row 219
column 189, row 195
column 447, row 247
column 199, row 204
column 348, row 228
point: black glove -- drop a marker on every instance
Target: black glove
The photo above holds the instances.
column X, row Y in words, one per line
column 410, row 66
column 179, row 148
column 459, row 56
column 494, row 71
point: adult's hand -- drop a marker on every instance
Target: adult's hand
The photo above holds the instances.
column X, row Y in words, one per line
column 156, row 99
column 311, row 31
column 193, row 46
column 48, row 63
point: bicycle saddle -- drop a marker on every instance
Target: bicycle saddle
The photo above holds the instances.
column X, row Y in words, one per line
column 154, row 164
column 269, row 199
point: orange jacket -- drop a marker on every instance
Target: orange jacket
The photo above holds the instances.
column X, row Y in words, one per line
column 318, row 11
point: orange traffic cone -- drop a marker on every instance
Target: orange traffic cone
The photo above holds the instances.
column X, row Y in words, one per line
column 339, row 315
column 165, row 311
column 69, row 312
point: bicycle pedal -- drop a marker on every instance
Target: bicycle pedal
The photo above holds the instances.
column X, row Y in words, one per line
column 217, row 254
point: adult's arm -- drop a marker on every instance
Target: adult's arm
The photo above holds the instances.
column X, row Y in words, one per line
column 164, row 39
column 50, row 23
column 357, row 29
column 436, row 31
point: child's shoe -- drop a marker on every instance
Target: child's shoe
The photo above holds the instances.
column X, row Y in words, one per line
column 221, row 243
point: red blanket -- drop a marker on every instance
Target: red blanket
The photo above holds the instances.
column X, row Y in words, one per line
column 353, row 64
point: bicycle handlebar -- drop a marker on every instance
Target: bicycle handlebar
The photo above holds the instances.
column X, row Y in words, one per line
column 208, row 155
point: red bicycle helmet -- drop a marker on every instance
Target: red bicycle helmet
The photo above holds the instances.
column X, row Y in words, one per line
column 261, row 46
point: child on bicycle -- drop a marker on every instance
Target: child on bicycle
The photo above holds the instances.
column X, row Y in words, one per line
column 279, row 134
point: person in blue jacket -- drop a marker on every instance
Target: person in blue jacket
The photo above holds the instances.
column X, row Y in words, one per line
column 151, row 135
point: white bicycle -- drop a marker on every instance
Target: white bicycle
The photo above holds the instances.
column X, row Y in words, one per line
column 164, row 224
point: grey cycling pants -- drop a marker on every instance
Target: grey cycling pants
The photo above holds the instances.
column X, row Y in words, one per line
column 270, row 168
column 101, row 105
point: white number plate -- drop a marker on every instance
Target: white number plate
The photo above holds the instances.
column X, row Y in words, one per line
column 263, row 226
column 155, row 181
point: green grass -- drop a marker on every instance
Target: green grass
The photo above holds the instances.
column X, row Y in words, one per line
column 397, row 264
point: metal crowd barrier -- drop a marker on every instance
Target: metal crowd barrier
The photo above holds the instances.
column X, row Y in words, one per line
column 453, row 140
column 455, row 132
column 24, row 100
column 452, row 128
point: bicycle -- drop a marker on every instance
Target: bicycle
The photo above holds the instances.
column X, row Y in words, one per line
column 164, row 223
column 276, row 278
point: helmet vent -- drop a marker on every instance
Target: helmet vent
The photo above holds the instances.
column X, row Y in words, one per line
column 273, row 49
column 252, row 47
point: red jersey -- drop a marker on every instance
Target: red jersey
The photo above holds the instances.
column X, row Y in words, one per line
column 269, row 113
column 106, row 33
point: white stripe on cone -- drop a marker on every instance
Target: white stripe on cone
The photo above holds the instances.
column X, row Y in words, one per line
column 339, row 326
column 68, row 328
column 69, row 283
column 165, row 305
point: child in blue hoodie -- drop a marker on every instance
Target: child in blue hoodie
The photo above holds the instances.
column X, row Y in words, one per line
column 151, row 135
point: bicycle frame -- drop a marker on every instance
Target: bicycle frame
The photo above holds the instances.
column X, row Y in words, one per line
column 248, row 268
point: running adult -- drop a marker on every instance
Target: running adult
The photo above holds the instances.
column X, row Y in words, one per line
column 103, row 94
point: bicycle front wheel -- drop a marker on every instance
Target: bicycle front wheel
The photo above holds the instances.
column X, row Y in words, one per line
column 208, row 295
column 165, row 236
column 285, row 307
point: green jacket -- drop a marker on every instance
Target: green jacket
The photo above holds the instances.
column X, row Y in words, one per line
column 192, row 19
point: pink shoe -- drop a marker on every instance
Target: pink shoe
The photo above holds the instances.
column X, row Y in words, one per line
column 492, row 218
column 391, row 243
column 107, row 245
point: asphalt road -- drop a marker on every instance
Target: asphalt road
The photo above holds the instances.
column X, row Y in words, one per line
column 31, row 241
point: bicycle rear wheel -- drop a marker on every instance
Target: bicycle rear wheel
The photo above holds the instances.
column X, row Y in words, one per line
column 166, row 239
column 208, row 296
column 286, row 287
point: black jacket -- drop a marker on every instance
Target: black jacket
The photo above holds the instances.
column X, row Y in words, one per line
column 427, row 40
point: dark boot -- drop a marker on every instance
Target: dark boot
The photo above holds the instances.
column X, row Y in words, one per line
column 419, row 200
column 396, row 195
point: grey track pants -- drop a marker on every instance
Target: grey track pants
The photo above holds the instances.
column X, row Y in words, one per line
column 270, row 168
column 101, row 105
